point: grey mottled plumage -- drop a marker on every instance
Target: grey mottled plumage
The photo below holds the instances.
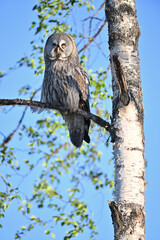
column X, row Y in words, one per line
column 66, row 83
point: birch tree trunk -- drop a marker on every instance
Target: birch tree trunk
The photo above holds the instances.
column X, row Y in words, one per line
column 127, row 209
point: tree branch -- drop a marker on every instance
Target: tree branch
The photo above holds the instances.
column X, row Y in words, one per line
column 10, row 136
column 91, row 39
column 87, row 115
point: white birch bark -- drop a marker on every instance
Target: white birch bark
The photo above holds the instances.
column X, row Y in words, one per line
column 128, row 206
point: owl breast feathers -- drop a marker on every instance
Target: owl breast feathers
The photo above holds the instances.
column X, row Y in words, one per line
column 66, row 83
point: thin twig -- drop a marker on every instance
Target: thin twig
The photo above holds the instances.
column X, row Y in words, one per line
column 10, row 136
column 99, row 9
column 92, row 38
column 2, row 134
column 5, row 183
column 95, row 18
column 98, row 45
column 35, row 92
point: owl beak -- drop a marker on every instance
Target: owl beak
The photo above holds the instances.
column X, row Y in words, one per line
column 58, row 49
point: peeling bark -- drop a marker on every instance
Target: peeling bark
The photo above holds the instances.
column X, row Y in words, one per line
column 128, row 206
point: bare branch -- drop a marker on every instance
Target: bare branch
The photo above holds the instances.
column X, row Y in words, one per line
column 98, row 45
column 5, row 183
column 87, row 115
column 10, row 136
column 99, row 9
column 91, row 39
column 34, row 93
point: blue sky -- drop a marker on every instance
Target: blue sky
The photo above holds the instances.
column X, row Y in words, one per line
column 15, row 20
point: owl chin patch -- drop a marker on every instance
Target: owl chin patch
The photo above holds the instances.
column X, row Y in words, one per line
column 58, row 55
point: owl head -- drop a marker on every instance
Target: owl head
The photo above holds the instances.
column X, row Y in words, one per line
column 60, row 46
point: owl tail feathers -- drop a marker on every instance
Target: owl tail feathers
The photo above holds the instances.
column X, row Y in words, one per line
column 76, row 138
column 86, row 138
column 86, row 129
column 78, row 130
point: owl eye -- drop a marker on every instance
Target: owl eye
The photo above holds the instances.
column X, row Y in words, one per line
column 53, row 45
column 63, row 45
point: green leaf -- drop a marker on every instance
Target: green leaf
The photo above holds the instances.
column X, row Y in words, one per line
column 17, row 236
column 23, row 227
column 53, row 235
column 71, row 195
column 2, row 194
column 34, row 8
column 28, row 210
column 32, row 217
column 47, row 232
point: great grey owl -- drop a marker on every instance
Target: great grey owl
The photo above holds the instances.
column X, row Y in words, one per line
column 66, row 83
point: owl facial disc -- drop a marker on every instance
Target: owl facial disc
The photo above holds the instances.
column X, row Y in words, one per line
column 58, row 46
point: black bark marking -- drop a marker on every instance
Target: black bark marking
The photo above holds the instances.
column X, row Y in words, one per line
column 125, row 216
column 124, row 95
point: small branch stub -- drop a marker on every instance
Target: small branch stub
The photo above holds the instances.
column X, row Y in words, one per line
column 124, row 95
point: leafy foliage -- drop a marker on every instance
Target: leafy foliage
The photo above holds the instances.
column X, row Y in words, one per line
column 63, row 171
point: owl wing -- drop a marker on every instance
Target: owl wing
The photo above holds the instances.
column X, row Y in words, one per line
column 83, row 82
column 46, row 90
column 77, row 125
